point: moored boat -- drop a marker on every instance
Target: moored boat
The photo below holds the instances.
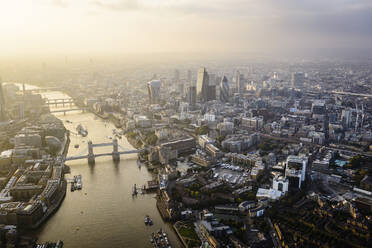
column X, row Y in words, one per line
column 134, row 192
column 78, row 182
column 80, row 129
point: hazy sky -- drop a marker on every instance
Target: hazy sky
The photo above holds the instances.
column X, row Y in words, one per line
column 66, row 27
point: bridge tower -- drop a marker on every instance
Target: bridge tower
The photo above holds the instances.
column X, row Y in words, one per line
column 115, row 152
column 91, row 158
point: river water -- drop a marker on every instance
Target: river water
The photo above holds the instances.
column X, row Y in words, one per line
column 103, row 213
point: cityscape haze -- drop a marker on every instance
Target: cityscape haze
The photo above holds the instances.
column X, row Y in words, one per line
column 185, row 123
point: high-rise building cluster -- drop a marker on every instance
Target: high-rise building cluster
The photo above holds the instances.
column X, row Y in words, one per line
column 298, row 79
column 154, row 91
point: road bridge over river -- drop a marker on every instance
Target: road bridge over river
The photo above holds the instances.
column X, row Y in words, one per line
column 115, row 153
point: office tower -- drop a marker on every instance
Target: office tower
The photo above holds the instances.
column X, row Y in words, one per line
column 154, row 91
column 224, row 90
column 211, row 93
column 318, row 107
column 202, row 85
column 295, row 170
column 275, row 76
column 189, row 76
column 237, row 80
column 176, row 75
column 218, row 88
column 240, row 84
column 218, row 80
column 191, row 95
column 212, row 79
column 346, row 116
column 181, row 88
column 298, row 79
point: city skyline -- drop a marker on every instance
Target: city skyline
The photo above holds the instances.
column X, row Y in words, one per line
column 185, row 123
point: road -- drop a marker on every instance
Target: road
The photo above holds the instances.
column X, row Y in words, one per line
column 200, row 233
column 273, row 235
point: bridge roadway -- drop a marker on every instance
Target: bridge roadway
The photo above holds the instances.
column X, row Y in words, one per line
column 102, row 144
column 60, row 102
column 66, row 110
column 59, row 99
column 102, row 154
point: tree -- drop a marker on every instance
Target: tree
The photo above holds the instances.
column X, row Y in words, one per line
column 151, row 139
column 202, row 130
column 221, row 138
column 356, row 161
column 132, row 135
column 359, row 175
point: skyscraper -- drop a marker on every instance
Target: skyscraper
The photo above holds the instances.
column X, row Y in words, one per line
column 211, row 93
column 154, row 91
column 298, row 79
column 224, row 90
column 191, row 95
column 181, row 88
column 346, row 116
column 240, row 84
column 189, row 76
column 176, row 75
column 295, row 170
column 202, row 85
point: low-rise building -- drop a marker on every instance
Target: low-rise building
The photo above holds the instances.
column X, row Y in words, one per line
column 254, row 123
column 142, row 121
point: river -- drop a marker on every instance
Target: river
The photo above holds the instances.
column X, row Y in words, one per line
column 103, row 213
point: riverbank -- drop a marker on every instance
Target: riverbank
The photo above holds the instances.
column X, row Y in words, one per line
column 63, row 183
column 105, row 207
column 53, row 208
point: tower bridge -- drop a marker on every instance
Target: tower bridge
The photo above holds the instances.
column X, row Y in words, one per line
column 67, row 110
column 60, row 101
column 115, row 153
